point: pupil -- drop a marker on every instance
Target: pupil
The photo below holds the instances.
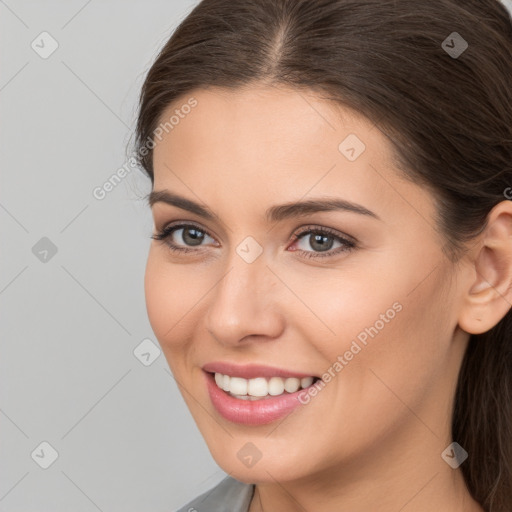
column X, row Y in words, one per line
column 321, row 240
column 195, row 239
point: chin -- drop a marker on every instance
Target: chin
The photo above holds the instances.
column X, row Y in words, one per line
column 281, row 466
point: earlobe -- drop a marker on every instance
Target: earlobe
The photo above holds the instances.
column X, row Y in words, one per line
column 489, row 294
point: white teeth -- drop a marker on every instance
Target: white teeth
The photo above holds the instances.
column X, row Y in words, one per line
column 305, row 382
column 291, row 385
column 275, row 386
column 257, row 387
column 225, row 382
column 237, row 386
column 254, row 389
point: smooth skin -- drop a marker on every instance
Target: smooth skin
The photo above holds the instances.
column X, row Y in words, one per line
column 372, row 438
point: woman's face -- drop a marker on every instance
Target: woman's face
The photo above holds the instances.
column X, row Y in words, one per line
column 360, row 296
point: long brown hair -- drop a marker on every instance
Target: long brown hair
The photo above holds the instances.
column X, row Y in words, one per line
column 447, row 114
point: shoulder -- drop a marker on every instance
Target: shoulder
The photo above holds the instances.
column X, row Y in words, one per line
column 229, row 495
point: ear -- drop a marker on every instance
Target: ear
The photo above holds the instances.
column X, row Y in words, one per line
column 489, row 293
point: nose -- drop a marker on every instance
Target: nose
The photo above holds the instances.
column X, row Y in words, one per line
column 245, row 304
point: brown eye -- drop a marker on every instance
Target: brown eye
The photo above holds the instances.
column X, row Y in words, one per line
column 321, row 240
column 190, row 235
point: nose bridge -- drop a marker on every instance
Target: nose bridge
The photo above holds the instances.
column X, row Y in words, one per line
column 241, row 302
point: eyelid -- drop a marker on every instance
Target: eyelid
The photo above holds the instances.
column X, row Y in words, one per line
column 180, row 225
column 348, row 242
column 296, row 233
column 323, row 229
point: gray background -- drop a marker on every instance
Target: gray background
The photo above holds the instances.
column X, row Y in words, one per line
column 72, row 319
column 70, row 322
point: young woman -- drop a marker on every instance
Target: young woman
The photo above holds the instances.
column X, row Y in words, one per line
column 331, row 272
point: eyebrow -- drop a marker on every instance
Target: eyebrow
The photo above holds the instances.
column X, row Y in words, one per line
column 275, row 213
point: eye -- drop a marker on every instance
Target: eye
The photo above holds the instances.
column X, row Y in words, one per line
column 191, row 235
column 322, row 240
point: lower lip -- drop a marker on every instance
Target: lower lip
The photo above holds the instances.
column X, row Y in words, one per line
column 251, row 412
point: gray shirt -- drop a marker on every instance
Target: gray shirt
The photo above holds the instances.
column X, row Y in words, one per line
column 229, row 495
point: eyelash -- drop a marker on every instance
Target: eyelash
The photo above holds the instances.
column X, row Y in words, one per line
column 348, row 245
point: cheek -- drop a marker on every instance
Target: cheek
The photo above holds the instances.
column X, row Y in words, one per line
column 159, row 301
column 403, row 358
column 170, row 296
column 337, row 308
column 399, row 332
column 389, row 360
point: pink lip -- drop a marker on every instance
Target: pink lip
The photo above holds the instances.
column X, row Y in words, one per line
column 251, row 371
column 247, row 412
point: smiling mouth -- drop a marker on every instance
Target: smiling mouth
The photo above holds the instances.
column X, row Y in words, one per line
column 261, row 387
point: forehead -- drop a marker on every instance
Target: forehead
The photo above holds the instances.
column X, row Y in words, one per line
column 261, row 113
column 273, row 144
column 264, row 126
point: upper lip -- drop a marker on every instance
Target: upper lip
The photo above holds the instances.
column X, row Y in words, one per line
column 251, row 371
